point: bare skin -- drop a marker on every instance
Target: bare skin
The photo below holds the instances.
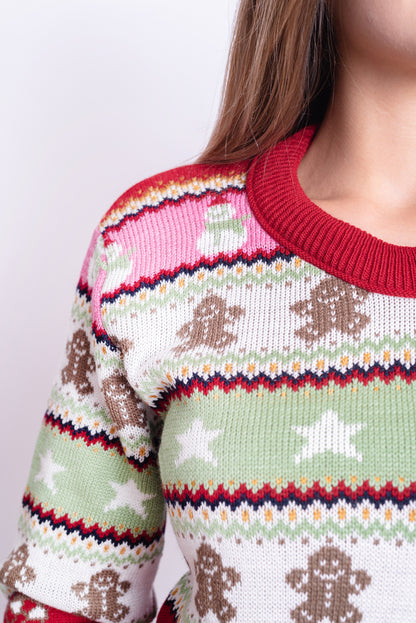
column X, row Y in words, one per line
column 361, row 165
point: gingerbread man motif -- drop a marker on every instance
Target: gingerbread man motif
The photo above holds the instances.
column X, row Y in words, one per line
column 332, row 304
column 80, row 362
column 16, row 570
column 122, row 401
column 213, row 579
column 102, row 596
column 328, row 584
column 123, row 344
column 207, row 328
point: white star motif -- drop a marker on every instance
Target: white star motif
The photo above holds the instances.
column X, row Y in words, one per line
column 129, row 495
column 48, row 469
column 328, row 433
column 195, row 443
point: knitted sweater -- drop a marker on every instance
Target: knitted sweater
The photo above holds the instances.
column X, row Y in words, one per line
column 245, row 362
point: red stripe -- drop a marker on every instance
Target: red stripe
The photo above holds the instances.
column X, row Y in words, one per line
column 95, row 531
column 51, row 419
column 226, row 259
column 341, row 379
column 179, row 175
column 185, row 494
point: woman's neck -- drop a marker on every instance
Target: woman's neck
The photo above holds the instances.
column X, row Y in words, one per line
column 361, row 165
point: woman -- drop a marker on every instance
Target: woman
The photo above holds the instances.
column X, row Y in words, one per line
column 243, row 353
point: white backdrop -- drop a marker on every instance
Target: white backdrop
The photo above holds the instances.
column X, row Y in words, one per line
column 95, row 96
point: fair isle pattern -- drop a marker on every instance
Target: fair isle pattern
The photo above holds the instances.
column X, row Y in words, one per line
column 265, row 404
column 184, row 183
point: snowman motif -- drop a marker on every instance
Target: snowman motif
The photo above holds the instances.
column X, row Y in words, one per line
column 223, row 232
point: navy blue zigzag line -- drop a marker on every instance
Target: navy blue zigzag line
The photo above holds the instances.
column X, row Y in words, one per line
column 308, row 377
column 83, row 291
column 132, row 541
column 328, row 500
column 93, row 438
column 266, row 257
column 172, row 201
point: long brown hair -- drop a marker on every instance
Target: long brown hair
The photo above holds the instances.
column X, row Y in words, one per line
column 279, row 76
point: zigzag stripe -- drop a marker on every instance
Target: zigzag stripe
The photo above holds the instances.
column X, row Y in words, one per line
column 308, row 378
column 189, row 269
column 178, row 596
column 166, row 201
column 79, row 528
column 102, row 337
column 83, row 289
column 174, row 294
column 95, row 554
column 292, row 531
column 89, row 438
column 99, row 334
column 302, row 354
column 291, row 495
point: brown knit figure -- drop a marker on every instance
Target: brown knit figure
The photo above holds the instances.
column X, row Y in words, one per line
column 102, row 595
column 80, row 362
column 328, row 583
column 15, row 570
column 207, row 328
column 213, row 579
column 122, row 401
column 122, row 344
column 332, row 304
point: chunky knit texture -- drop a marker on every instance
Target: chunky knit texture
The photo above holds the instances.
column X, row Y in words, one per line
column 244, row 361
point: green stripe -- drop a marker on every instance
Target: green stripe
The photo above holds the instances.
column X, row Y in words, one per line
column 254, row 529
column 258, row 427
column 194, row 286
column 76, row 407
column 95, row 554
column 262, row 361
column 84, row 489
column 184, row 587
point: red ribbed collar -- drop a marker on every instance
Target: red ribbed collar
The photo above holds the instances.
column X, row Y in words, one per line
column 294, row 221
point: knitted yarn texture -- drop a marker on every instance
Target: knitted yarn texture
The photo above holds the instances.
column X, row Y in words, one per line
column 245, row 362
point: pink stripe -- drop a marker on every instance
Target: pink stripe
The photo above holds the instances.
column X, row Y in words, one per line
column 175, row 235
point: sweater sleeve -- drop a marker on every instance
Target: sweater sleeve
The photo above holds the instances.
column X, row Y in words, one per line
column 90, row 533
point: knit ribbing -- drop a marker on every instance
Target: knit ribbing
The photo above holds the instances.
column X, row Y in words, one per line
column 344, row 250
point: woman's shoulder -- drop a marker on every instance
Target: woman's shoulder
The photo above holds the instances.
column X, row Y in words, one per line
column 177, row 220
column 164, row 195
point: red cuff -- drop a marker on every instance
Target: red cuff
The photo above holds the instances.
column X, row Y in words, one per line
column 21, row 609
